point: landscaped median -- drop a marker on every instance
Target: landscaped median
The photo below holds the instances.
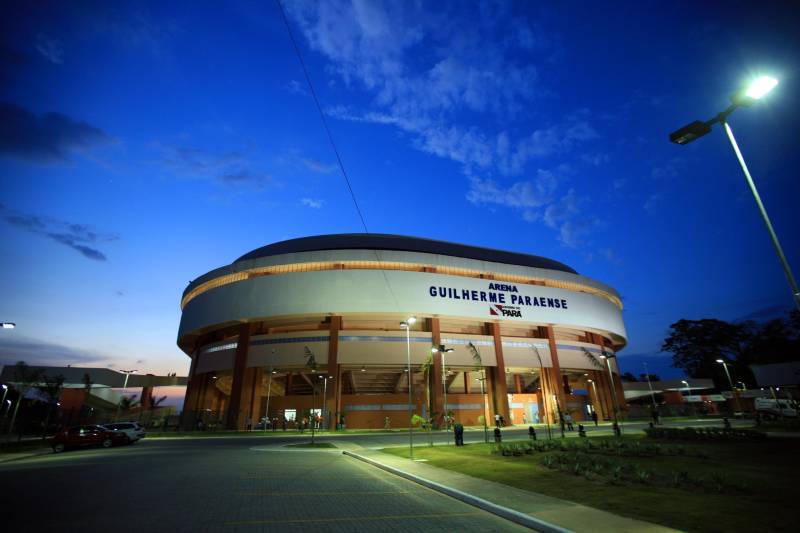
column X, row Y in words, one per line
column 724, row 483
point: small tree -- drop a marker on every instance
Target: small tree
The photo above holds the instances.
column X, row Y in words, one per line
column 311, row 364
column 51, row 388
column 25, row 377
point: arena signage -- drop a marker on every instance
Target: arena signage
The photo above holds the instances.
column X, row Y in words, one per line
column 504, row 299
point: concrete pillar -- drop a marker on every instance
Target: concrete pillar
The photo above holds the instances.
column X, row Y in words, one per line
column 237, row 408
column 517, row 384
column 500, row 388
column 334, row 404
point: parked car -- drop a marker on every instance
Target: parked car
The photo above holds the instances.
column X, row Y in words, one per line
column 83, row 436
column 133, row 430
column 771, row 409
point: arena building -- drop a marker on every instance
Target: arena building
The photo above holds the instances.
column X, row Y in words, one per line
column 310, row 328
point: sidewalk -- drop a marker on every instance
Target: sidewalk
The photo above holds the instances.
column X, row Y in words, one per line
column 561, row 513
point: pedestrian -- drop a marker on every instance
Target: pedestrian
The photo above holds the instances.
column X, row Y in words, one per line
column 386, row 423
column 284, row 423
column 458, row 429
column 581, row 430
column 561, row 422
column 498, row 437
column 568, row 421
column 502, row 421
column 496, row 420
column 524, row 419
column 594, row 417
column 654, row 414
column 531, row 433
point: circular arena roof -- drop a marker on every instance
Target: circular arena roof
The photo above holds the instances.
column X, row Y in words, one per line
column 377, row 241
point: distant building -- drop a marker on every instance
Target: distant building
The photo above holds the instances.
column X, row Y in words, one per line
column 541, row 330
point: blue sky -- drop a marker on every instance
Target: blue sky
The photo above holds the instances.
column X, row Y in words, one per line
column 144, row 144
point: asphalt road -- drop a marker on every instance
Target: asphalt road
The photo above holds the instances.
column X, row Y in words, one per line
column 222, row 485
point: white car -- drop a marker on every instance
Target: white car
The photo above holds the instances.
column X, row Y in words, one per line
column 133, row 430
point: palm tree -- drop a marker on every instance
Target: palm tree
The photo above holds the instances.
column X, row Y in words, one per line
column 129, row 402
column 25, row 378
column 544, row 396
column 311, row 364
column 476, row 358
column 51, row 388
column 426, row 368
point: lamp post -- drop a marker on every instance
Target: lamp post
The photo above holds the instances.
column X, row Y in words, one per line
column 269, row 393
column 5, row 392
column 443, row 350
column 745, row 98
column 607, row 359
column 730, row 382
column 650, row 386
column 406, row 324
column 124, row 389
column 324, row 400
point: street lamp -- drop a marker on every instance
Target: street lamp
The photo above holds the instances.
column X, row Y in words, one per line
column 324, row 399
column 5, row 392
column 757, row 89
column 124, row 387
column 650, row 386
column 443, row 350
column 730, row 382
column 607, row 359
column 594, row 388
column 406, row 324
column 269, row 393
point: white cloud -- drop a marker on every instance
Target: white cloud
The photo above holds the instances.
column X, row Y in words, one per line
column 50, row 49
column 318, row 166
column 312, row 203
column 436, row 74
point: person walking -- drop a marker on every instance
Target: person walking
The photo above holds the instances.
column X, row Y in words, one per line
column 496, row 420
column 498, row 437
column 568, row 421
column 594, row 417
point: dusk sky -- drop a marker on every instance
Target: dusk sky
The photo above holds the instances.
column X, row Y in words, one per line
column 144, row 144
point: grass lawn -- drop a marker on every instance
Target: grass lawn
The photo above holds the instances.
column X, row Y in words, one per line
column 761, row 477
column 24, row 446
column 311, row 445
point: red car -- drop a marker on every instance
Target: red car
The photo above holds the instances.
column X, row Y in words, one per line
column 82, row 436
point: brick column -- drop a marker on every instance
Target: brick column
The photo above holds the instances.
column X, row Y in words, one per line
column 192, row 396
column 334, row 405
column 237, row 408
column 437, row 392
column 500, row 388
column 555, row 371
column 517, row 384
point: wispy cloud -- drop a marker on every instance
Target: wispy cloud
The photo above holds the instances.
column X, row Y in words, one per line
column 312, row 203
column 651, row 204
column 448, row 82
column 231, row 168
column 44, row 138
column 79, row 237
column 318, row 166
column 50, row 49
column 37, row 352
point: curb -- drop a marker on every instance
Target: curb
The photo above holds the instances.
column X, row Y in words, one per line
column 21, row 456
column 509, row 514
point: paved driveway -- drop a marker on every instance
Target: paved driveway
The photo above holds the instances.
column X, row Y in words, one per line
column 222, row 485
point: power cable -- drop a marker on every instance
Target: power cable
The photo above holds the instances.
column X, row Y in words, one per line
column 333, row 144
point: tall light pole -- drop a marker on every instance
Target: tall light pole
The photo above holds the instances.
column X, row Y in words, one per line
column 745, row 98
column 607, row 359
column 443, row 350
column 5, row 392
column 594, row 388
column 269, row 393
column 650, row 386
column 324, row 400
column 730, row 382
column 124, row 389
column 406, row 324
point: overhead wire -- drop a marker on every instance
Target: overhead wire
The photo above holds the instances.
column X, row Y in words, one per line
column 333, row 143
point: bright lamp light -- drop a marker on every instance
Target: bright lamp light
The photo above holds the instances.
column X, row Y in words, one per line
column 761, row 86
column 720, row 361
